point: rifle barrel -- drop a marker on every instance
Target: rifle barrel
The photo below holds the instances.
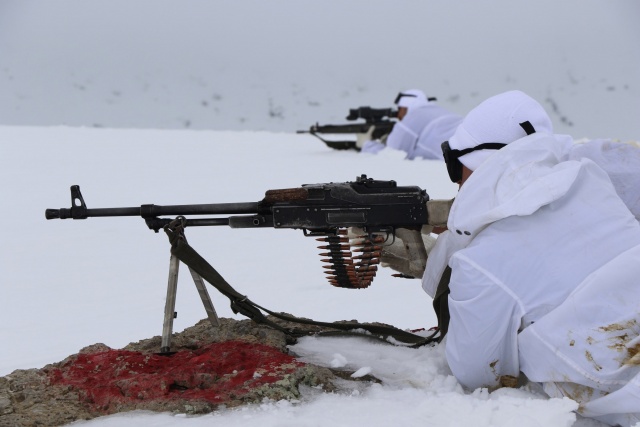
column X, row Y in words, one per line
column 203, row 209
column 150, row 211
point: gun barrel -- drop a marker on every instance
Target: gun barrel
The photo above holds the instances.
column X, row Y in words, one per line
column 339, row 129
column 380, row 128
column 202, row 209
column 150, row 211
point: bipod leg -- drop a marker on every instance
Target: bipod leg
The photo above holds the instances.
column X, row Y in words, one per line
column 206, row 299
column 170, row 304
column 177, row 226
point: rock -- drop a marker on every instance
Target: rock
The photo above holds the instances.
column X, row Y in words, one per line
column 237, row 363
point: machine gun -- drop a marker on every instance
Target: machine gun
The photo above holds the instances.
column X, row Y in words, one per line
column 379, row 210
column 379, row 118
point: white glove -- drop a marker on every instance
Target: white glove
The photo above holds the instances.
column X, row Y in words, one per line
column 361, row 138
column 409, row 251
column 408, row 254
column 372, row 147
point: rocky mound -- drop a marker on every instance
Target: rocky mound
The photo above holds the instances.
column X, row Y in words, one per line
column 234, row 364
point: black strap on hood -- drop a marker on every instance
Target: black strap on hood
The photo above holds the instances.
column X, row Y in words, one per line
column 528, row 127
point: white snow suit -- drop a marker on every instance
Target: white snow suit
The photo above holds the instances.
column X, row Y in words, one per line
column 421, row 132
column 545, row 260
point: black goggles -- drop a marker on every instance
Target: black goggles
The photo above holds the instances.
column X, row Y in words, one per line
column 452, row 157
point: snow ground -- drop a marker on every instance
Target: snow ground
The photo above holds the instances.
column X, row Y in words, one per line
column 68, row 284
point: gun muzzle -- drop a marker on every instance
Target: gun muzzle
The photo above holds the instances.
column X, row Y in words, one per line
column 52, row 213
column 75, row 213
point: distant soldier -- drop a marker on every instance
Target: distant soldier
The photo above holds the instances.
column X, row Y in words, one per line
column 422, row 127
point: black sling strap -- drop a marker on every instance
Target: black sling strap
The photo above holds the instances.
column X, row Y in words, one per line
column 441, row 303
column 241, row 304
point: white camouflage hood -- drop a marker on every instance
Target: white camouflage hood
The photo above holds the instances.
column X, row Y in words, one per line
column 517, row 180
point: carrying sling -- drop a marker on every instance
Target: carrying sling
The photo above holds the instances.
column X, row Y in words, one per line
column 241, row 303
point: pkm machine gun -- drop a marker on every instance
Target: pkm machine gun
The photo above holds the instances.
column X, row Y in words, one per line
column 325, row 211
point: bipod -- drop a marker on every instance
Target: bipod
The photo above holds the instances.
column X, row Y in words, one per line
column 177, row 226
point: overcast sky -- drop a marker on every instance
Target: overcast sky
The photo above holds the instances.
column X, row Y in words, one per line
column 286, row 64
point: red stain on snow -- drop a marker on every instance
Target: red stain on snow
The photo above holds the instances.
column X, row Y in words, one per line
column 215, row 373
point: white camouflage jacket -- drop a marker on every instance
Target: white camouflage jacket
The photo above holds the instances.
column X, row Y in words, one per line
column 545, row 260
column 422, row 131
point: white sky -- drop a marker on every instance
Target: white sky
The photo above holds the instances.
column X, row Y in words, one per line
column 225, row 65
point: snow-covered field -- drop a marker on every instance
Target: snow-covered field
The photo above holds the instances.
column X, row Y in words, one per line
column 68, row 284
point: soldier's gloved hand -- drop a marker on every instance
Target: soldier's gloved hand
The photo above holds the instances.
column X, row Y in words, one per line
column 372, row 147
column 355, row 232
column 405, row 253
column 361, row 138
column 408, row 253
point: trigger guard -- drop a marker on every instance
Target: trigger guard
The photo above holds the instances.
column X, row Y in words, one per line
column 390, row 233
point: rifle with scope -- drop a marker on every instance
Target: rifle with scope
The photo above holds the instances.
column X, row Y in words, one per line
column 379, row 118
